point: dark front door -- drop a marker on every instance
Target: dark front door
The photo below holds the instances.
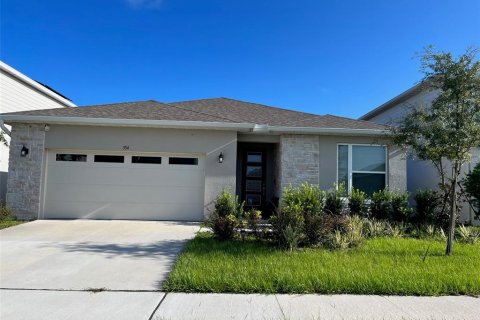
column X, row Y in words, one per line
column 254, row 173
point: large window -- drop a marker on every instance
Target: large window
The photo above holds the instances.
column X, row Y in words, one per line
column 362, row 167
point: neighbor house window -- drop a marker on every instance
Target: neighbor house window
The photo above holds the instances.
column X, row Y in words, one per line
column 362, row 167
column 71, row 157
column 109, row 158
column 148, row 160
column 185, row 161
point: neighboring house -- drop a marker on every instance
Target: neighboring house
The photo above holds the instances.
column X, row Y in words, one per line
column 156, row 161
column 420, row 174
column 18, row 93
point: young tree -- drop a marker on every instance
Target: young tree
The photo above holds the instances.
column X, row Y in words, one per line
column 445, row 132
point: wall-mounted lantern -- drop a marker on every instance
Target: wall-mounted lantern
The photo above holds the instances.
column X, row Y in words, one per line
column 24, row 151
column 220, row 158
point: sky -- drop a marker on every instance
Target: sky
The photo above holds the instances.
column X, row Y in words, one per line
column 324, row 57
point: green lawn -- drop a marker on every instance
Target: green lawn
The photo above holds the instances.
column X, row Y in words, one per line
column 10, row 223
column 379, row 266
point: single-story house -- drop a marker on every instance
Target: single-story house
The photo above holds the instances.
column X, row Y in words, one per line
column 168, row 161
column 18, row 92
column 420, row 174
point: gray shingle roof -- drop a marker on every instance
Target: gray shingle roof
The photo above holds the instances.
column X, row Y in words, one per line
column 206, row 110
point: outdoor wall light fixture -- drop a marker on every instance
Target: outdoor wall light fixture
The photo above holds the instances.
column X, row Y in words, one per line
column 24, row 151
column 220, row 158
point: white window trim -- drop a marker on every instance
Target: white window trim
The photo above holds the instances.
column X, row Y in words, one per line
column 350, row 170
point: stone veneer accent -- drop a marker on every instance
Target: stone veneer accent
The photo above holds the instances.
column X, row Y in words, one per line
column 397, row 169
column 25, row 173
column 299, row 160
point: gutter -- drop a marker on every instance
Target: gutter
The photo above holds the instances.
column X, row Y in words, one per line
column 240, row 127
column 245, row 127
column 324, row 131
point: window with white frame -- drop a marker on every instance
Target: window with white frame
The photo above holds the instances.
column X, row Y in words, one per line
column 362, row 167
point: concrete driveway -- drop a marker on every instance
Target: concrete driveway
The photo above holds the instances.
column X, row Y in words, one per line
column 89, row 254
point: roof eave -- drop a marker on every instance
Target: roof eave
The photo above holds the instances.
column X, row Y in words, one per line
column 9, row 119
column 416, row 89
column 327, row 131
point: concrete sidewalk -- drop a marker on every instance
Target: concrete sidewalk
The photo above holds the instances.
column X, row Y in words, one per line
column 230, row 306
column 52, row 305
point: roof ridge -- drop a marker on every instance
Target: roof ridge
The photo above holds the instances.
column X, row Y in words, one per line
column 272, row 107
column 255, row 103
column 112, row 103
column 199, row 112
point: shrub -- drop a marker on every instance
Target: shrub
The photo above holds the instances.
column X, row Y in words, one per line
column 292, row 237
column 467, row 235
column 288, row 217
column 5, row 212
column 313, row 229
column 226, row 204
column 401, row 211
column 428, row 209
column 355, row 231
column 253, row 218
column 472, row 187
column 395, row 230
column 307, row 197
column 334, row 202
column 428, row 202
column 348, row 233
column 224, row 218
column 375, row 228
column 357, row 203
column 224, row 227
column 390, row 205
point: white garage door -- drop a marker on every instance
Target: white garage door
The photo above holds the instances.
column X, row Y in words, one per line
column 106, row 185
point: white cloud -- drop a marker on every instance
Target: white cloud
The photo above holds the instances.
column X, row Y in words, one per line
column 147, row 4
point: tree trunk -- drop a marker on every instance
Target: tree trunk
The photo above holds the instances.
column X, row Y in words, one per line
column 453, row 211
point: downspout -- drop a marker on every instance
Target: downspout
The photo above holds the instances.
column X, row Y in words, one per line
column 4, row 128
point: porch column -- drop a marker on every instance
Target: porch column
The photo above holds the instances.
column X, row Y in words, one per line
column 299, row 160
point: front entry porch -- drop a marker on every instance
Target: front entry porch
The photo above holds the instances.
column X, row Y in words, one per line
column 257, row 176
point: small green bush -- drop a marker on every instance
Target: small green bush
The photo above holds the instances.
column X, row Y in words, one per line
column 375, row 228
column 253, row 218
column 313, row 229
column 357, row 203
column 224, row 219
column 472, row 188
column 335, row 202
column 307, row 197
column 467, row 235
column 390, row 205
column 287, row 221
column 226, row 204
column 5, row 213
column 428, row 209
column 224, row 227
column 348, row 232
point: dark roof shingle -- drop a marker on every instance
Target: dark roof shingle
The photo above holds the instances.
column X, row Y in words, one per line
column 206, row 110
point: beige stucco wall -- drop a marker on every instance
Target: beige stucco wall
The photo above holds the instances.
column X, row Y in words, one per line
column 314, row 159
column 328, row 161
column 209, row 143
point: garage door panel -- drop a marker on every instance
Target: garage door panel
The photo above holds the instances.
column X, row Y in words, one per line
column 123, row 190
column 124, row 176
column 157, row 194
column 125, row 210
